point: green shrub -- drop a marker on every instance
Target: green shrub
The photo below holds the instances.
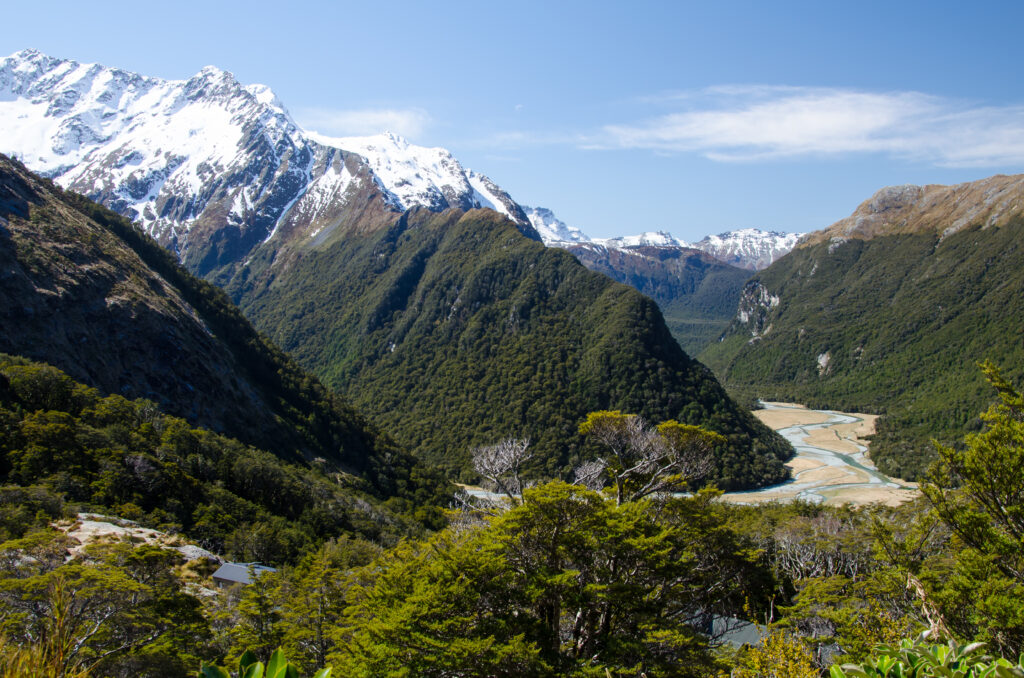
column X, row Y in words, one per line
column 249, row 667
column 917, row 659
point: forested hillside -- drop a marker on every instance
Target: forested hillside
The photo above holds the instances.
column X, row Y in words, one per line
column 453, row 329
column 73, row 446
column 892, row 322
column 87, row 292
column 562, row 581
column 697, row 293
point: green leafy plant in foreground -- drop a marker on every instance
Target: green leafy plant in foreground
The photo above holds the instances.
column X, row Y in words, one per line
column 917, row 659
column 250, row 667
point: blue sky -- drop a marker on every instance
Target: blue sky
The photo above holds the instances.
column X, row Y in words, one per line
column 621, row 117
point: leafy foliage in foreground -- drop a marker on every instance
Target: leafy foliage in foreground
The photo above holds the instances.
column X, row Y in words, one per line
column 950, row 563
column 903, row 320
column 114, row 609
column 249, row 667
column 63, row 442
column 917, row 659
column 567, row 583
column 454, row 330
column 977, row 491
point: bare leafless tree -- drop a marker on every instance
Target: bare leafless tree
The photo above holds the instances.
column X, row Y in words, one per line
column 501, row 464
column 643, row 460
column 590, row 474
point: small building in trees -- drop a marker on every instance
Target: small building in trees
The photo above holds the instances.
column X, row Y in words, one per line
column 230, row 574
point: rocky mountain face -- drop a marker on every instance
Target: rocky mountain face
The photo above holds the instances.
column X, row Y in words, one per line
column 84, row 290
column 906, row 209
column 889, row 311
column 207, row 166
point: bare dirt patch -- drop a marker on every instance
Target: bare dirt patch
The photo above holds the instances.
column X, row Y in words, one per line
column 797, row 416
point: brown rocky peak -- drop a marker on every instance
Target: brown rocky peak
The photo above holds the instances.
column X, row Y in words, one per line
column 933, row 208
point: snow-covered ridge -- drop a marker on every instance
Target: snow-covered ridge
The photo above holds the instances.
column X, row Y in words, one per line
column 417, row 175
column 552, row 230
column 648, row 239
column 747, row 248
column 169, row 153
column 212, row 168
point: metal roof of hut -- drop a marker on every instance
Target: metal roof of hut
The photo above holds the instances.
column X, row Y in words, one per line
column 238, row 573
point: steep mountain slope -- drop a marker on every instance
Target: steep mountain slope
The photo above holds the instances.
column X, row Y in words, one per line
column 71, row 445
column 428, row 177
column 84, row 290
column 696, row 292
column 213, row 169
column 456, row 330
column 289, row 222
column 697, row 286
column 207, row 166
column 553, row 231
column 889, row 311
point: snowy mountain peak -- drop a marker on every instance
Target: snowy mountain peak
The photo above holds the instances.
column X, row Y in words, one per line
column 553, row 230
column 209, row 154
column 213, row 72
column 212, row 168
column 749, row 248
column 430, row 177
column 648, row 239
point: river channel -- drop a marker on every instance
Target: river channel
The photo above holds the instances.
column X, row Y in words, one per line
column 831, row 464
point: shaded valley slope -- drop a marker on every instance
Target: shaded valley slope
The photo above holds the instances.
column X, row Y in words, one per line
column 84, row 290
column 696, row 292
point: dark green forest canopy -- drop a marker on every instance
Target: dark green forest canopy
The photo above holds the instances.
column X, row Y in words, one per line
column 903, row 319
column 90, row 293
column 453, row 330
column 564, row 582
column 81, row 449
column 697, row 294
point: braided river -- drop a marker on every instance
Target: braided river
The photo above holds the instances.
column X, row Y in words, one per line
column 831, row 465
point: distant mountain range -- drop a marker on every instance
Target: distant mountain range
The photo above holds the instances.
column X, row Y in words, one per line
column 369, row 260
column 747, row 248
column 211, row 167
column 696, row 285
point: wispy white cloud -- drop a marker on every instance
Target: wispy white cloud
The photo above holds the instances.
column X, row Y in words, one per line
column 751, row 123
column 520, row 139
column 410, row 123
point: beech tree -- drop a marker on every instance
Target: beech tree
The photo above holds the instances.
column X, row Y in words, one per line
column 565, row 583
column 978, row 491
column 92, row 611
column 641, row 460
